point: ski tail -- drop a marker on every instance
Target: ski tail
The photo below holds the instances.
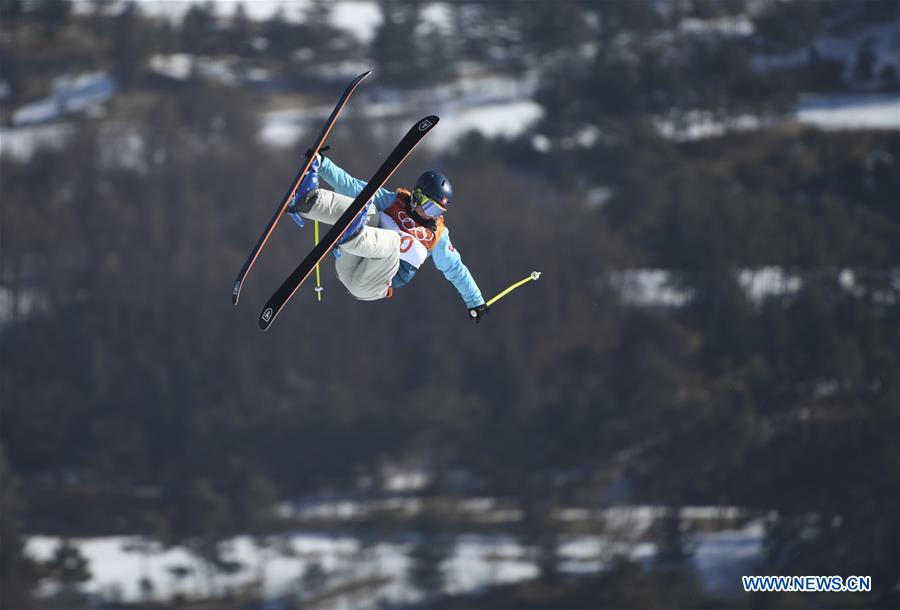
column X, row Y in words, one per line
column 279, row 211
column 275, row 304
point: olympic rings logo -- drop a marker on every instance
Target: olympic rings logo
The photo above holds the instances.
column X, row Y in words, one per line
column 409, row 225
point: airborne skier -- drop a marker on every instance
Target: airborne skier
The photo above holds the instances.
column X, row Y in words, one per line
column 395, row 234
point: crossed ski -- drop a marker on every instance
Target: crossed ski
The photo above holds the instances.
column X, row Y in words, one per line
column 390, row 165
column 303, row 270
column 279, row 211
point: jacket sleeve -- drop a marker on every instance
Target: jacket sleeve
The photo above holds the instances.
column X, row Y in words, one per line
column 449, row 262
column 345, row 184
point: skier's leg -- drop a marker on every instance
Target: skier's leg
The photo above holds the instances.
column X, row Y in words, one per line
column 370, row 259
column 367, row 279
column 372, row 242
column 345, row 267
column 327, row 206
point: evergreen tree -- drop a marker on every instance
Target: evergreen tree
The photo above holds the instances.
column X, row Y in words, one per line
column 671, row 550
column 198, row 35
column 280, row 34
column 395, row 47
column 19, row 574
column 70, row 569
column 240, row 32
column 52, row 14
column 431, row 549
column 864, row 67
column 788, row 26
column 130, row 46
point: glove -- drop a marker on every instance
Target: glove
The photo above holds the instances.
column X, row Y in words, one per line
column 476, row 313
column 308, row 152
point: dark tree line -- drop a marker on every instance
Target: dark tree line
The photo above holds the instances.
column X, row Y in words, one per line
column 137, row 399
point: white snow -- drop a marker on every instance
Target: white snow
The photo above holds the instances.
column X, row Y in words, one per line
column 117, row 572
column 71, row 93
column 228, row 71
column 176, row 66
column 493, row 105
column 699, row 124
column 480, row 561
column 738, row 26
column 655, row 288
column 437, row 16
column 20, row 304
column 37, row 112
column 648, row 287
column 404, row 480
column 722, row 558
column 491, row 120
column 21, row 142
column 597, row 197
column 277, row 564
column 258, row 10
column 884, row 40
column 541, row 143
column 869, row 111
column 825, row 111
column 360, row 18
column 768, row 281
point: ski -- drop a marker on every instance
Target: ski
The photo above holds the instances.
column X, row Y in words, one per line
column 270, row 228
column 299, row 275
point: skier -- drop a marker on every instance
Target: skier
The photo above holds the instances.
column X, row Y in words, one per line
column 388, row 242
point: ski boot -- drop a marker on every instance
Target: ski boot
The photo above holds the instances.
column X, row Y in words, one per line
column 355, row 227
column 309, row 183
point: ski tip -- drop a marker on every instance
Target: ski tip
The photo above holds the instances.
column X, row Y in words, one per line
column 359, row 79
column 428, row 122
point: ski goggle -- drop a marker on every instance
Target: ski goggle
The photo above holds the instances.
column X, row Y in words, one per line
column 430, row 206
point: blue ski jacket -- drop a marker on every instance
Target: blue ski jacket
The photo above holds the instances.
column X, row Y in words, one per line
column 446, row 258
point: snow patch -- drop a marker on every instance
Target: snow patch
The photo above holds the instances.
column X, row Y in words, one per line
column 721, row 558
column 649, row 287
column 766, row 282
column 541, row 143
column 495, row 106
column 833, row 112
column 492, row 120
column 699, row 124
column 21, row 143
column 71, row 94
column 597, row 197
column 278, row 564
column 360, row 18
column 738, row 26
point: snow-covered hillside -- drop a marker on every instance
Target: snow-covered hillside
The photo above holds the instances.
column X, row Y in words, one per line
column 119, row 564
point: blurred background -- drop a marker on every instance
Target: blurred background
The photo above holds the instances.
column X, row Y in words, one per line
column 702, row 385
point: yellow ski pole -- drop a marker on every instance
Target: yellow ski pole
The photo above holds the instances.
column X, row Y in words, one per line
column 318, row 274
column 534, row 275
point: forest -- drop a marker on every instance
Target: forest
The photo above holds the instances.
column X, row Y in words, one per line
column 760, row 376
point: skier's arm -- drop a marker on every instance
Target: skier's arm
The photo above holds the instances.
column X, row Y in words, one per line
column 345, row 184
column 449, row 262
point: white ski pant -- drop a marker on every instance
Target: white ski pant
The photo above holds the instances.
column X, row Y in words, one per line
column 369, row 261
